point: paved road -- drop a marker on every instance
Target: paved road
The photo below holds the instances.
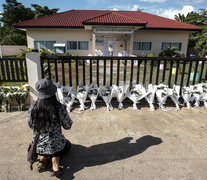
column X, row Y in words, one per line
column 117, row 145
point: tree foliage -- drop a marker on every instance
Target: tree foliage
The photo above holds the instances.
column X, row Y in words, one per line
column 42, row 11
column 197, row 40
column 15, row 12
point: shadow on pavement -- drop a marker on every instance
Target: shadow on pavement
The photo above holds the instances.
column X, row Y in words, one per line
column 80, row 156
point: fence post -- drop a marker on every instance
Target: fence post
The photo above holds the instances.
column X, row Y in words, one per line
column 34, row 73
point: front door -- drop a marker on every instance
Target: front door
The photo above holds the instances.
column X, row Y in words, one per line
column 110, row 48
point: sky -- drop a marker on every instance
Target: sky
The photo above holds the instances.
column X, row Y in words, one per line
column 165, row 8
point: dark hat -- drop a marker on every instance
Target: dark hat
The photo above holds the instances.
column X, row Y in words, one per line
column 45, row 88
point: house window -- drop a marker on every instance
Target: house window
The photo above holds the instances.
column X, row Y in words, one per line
column 77, row 45
column 146, row 46
column 165, row 45
column 82, row 45
column 44, row 44
column 72, row 45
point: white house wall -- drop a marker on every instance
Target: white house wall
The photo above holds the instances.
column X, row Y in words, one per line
column 60, row 36
column 157, row 37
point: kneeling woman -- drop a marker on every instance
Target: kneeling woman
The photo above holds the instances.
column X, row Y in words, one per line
column 46, row 117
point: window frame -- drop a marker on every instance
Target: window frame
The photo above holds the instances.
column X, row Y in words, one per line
column 140, row 45
column 77, row 45
column 44, row 44
column 171, row 45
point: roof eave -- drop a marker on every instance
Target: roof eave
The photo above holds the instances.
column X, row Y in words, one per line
column 170, row 29
column 49, row 27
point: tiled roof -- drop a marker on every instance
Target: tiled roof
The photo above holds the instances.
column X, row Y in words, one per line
column 77, row 19
column 114, row 18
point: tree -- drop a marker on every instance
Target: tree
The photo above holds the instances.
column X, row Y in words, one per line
column 180, row 17
column 197, row 40
column 42, row 11
column 15, row 12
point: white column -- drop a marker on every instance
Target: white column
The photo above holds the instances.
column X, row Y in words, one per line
column 93, row 43
column 131, row 44
column 34, row 73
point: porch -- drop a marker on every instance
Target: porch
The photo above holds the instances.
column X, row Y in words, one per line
column 113, row 40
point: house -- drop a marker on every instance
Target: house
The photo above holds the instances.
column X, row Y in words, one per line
column 83, row 31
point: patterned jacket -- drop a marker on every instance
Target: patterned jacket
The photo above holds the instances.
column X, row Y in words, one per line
column 51, row 139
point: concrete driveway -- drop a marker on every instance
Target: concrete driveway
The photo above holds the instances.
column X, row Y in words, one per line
column 117, row 145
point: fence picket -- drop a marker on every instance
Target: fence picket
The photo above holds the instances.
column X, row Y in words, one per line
column 56, row 71
column 151, row 71
column 111, row 72
column 177, row 69
column 202, row 67
column 118, row 69
column 145, row 70
column 189, row 72
column 158, row 70
column 97, row 72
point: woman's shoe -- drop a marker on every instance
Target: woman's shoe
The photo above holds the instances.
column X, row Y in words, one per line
column 41, row 166
column 56, row 173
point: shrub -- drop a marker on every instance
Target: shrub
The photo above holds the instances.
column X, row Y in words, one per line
column 170, row 52
column 46, row 52
column 23, row 52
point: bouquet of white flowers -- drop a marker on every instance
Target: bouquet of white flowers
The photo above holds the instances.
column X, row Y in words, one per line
column 199, row 92
column 8, row 96
column 93, row 94
column 66, row 96
column 204, row 94
column 18, row 98
column 136, row 93
column 151, row 90
column 174, row 95
column 121, row 94
column 24, row 91
column 82, row 92
column 69, row 97
column 187, row 96
column 162, row 93
column 107, row 94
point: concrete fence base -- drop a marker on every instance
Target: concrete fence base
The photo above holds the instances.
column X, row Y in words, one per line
column 34, row 73
column 8, row 50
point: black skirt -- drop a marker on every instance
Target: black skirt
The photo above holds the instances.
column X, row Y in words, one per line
column 61, row 153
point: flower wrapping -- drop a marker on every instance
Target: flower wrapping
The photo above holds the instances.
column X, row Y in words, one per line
column 121, row 94
column 162, row 93
column 151, row 90
column 107, row 94
column 197, row 91
column 93, row 95
column 174, row 95
column 136, row 93
column 68, row 97
column 187, row 96
column 82, row 92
